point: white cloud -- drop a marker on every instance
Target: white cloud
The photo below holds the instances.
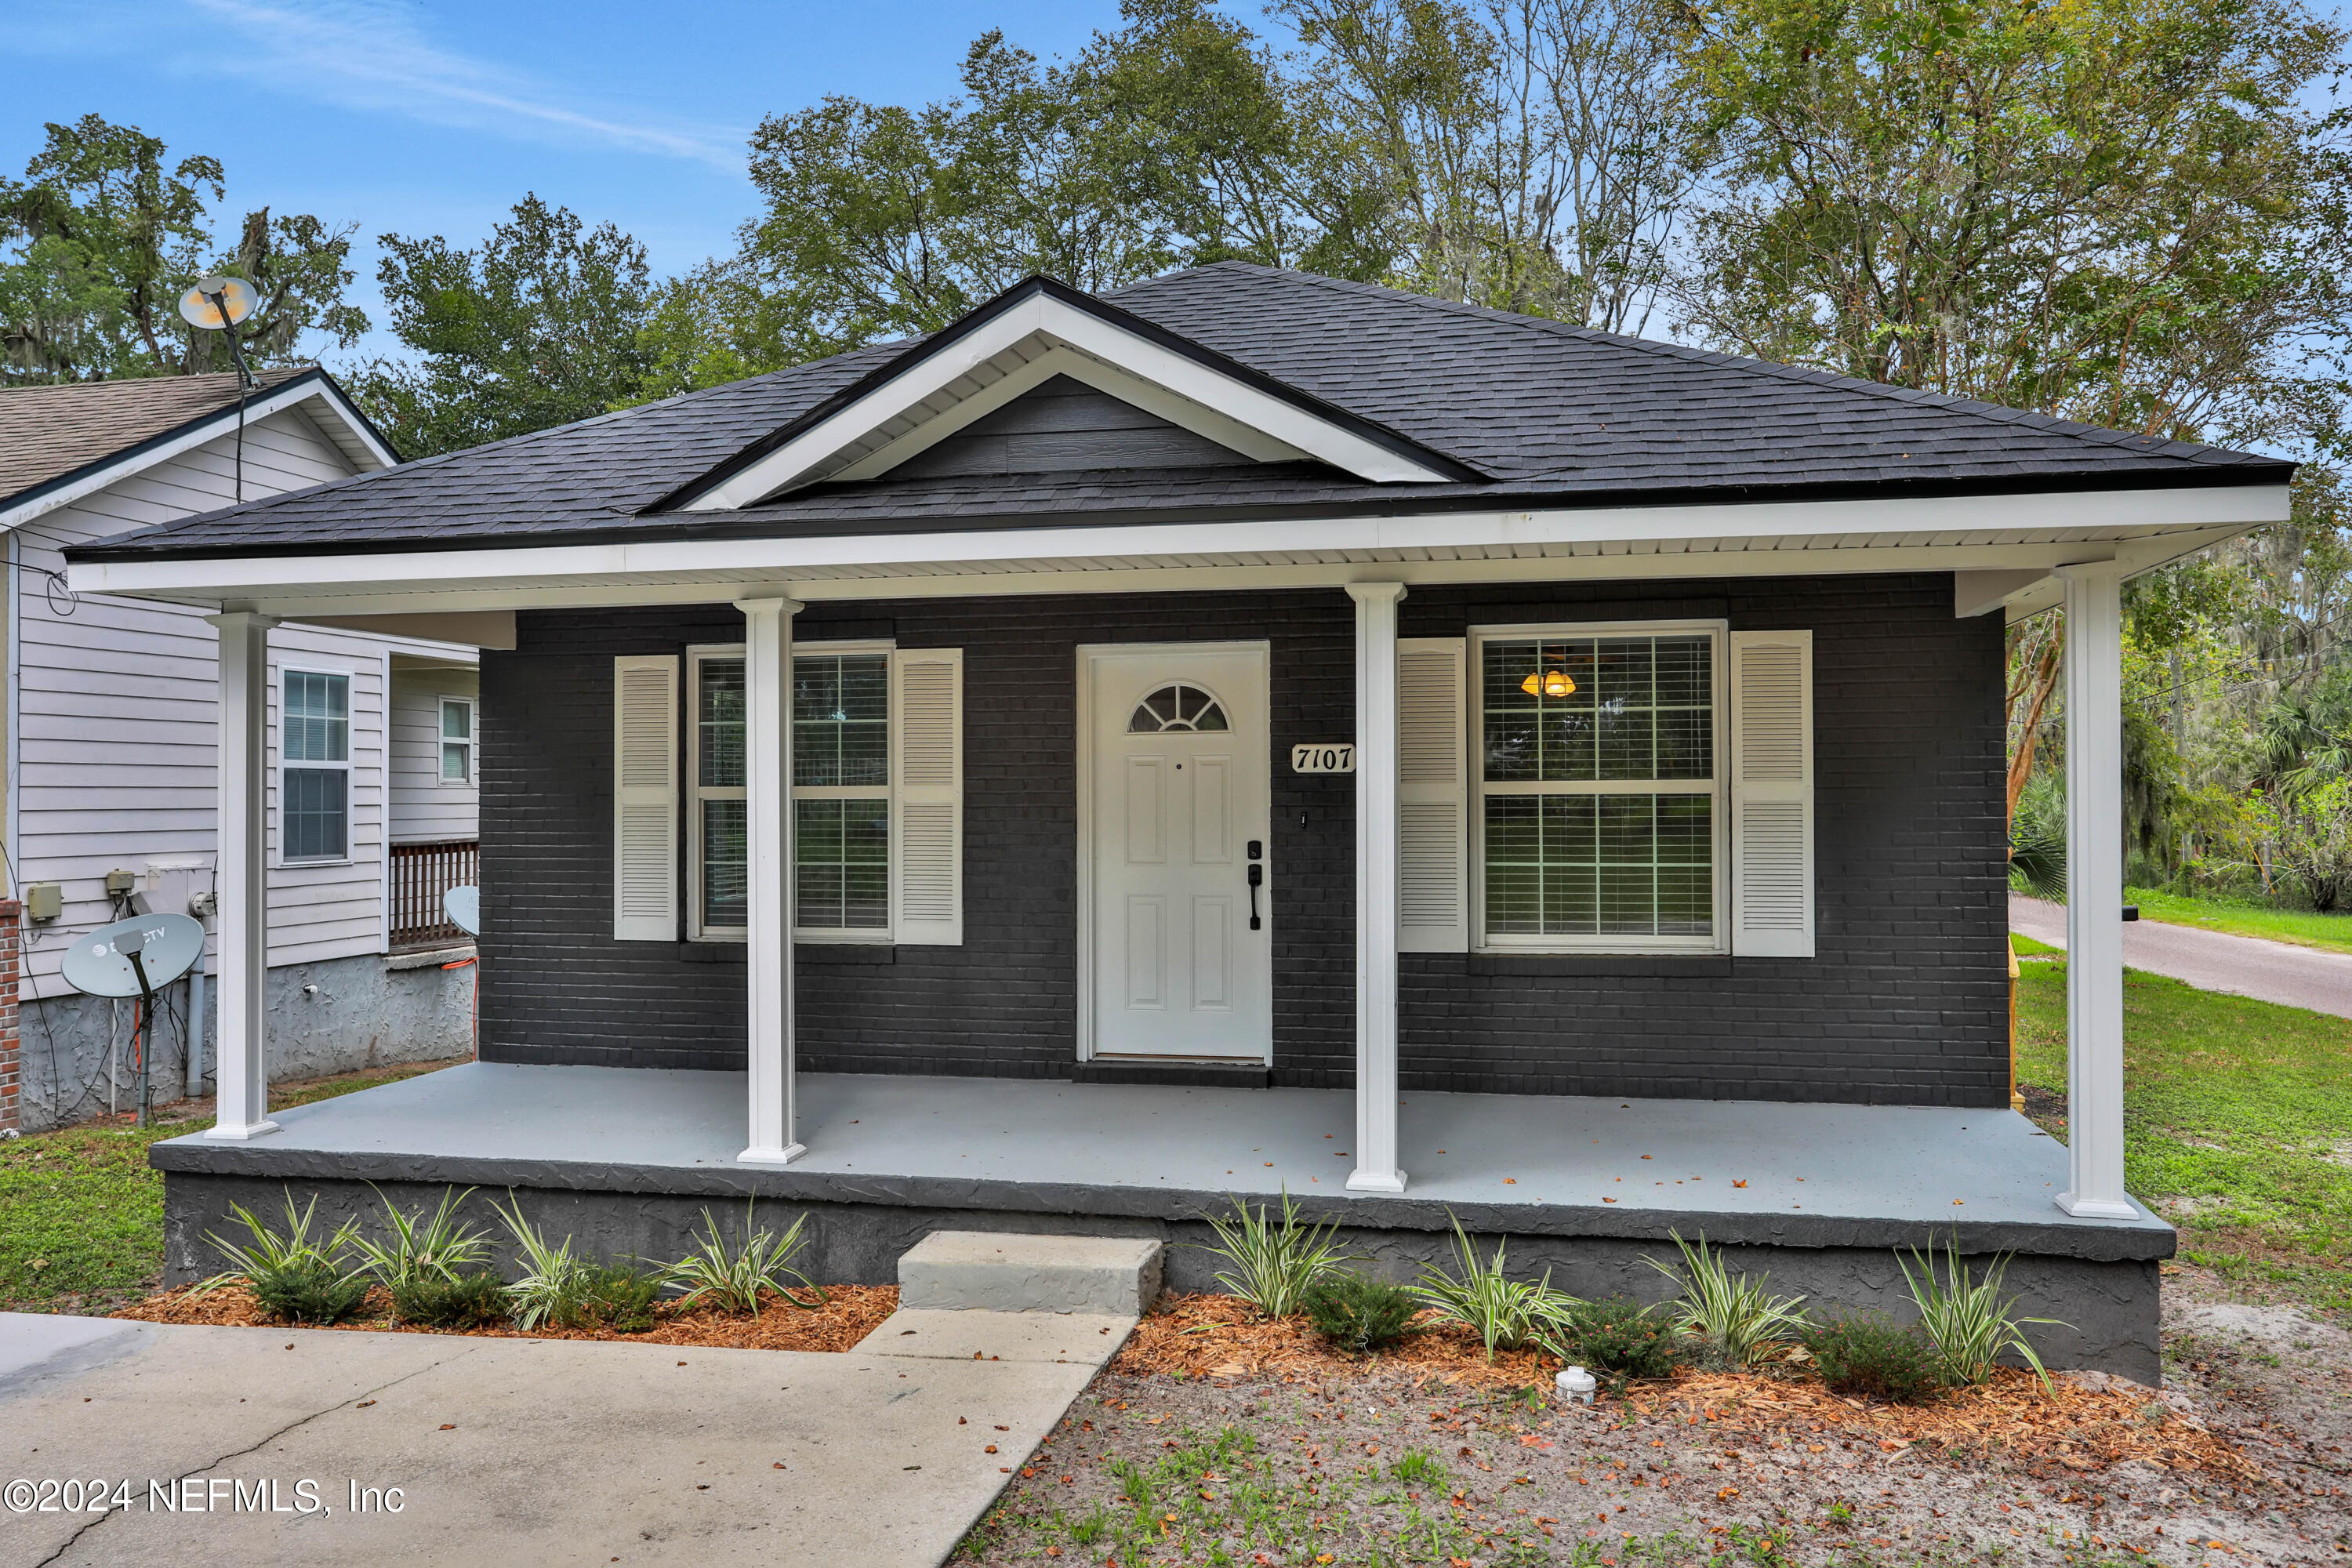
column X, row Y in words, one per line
column 361, row 54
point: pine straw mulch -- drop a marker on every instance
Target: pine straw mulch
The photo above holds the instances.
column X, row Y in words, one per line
column 1222, row 1336
column 850, row 1313
column 2079, row 1425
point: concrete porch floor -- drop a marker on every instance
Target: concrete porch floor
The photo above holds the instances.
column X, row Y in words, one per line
column 1752, row 1172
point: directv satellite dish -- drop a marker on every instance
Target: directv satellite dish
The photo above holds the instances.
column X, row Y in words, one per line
column 464, row 906
column 133, row 957
column 217, row 303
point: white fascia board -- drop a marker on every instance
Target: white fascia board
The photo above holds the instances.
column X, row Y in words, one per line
column 212, row 428
column 1042, row 316
column 2072, row 527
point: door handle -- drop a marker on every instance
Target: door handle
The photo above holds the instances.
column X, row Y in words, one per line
column 1256, row 880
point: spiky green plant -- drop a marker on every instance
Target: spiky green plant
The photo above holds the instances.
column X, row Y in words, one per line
column 1733, row 1316
column 1966, row 1318
column 1273, row 1264
column 296, row 1277
column 551, row 1287
column 417, row 1248
column 733, row 1279
column 269, row 1251
column 1506, row 1314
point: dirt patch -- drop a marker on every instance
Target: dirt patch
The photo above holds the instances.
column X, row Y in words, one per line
column 849, row 1315
column 1244, row 1438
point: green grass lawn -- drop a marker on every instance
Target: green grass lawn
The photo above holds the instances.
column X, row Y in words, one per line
column 2025, row 946
column 81, row 1215
column 2238, row 1121
column 2302, row 927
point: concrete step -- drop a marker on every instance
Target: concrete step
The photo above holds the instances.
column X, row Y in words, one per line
column 1091, row 1338
column 965, row 1270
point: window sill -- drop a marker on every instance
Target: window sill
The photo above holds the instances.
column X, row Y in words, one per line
column 1603, row 966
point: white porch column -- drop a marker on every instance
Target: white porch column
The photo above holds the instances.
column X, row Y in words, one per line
column 240, row 877
column 2094, row 893
column 767, row 793
column 1376, row 887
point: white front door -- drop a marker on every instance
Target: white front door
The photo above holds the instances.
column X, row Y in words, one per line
column 1182, row 943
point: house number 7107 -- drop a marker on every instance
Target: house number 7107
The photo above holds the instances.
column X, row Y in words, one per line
column 1323, row 759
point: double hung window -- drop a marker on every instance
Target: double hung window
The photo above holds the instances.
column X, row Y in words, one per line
column 456, row 741
column 314, row 775
column 1599, row 819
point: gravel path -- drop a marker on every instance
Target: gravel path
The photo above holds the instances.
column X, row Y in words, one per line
column 2213, row 961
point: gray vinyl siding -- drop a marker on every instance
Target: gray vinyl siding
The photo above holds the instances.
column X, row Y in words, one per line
column 423, row 809
column 1906, row 1002
column 1061, row 426
column 117, row 717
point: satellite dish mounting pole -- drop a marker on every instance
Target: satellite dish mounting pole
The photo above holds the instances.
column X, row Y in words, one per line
column 143, row 1028
column 244, row 385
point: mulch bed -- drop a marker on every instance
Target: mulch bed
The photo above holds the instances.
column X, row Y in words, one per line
column 850, row 1313
column 2082, row 1424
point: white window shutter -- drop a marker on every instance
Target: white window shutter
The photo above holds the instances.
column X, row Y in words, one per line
column 927, row 818
column 1772, row 794
column 644, row 798
column 1433, row 796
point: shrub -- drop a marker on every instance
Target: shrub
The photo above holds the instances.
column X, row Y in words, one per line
column 733, row 1279
column 1966, row 1319
column 308, row 1291
column 450, row 1302
column 553, row 1283
column 1358, row 1313
column 294, row 1276
column 1738, row 1324
column 1506, row 1314
column 1870, row 1357
column 1617, row 1338
column 1273, row 1264
column 620, row 1298
column 414, row 1247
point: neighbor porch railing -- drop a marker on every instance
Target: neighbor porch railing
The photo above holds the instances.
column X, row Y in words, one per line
column 421, row 873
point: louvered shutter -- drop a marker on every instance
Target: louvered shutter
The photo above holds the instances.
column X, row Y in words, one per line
column 927, row 880
column 1772, row 794
column 1433, row 796
column 644, row 798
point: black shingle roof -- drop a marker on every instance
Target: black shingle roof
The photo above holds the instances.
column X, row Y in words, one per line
column 1554, row 414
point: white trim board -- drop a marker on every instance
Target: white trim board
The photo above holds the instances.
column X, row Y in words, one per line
column 2142, row 529
column 1020, row 335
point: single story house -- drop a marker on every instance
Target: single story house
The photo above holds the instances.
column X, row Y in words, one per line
column 1246, row 732
column 111, row 731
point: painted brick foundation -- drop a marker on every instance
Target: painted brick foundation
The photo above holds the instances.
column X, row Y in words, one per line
column 12, row 1085
column 1906, row 1002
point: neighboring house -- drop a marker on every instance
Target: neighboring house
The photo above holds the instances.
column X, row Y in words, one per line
column 112, row 733
column 1247, row 729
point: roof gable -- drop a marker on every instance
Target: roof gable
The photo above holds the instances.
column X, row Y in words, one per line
column 1060, row 426
column 60, row 442
column 1034, row 333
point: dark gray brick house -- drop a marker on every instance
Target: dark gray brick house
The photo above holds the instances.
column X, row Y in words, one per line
column 1028, row 775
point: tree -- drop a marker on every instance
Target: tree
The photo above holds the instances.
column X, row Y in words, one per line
column 100, row 239
column 542, row 325
column 2118, row 210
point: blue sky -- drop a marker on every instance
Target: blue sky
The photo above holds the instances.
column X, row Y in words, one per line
column 427, row 117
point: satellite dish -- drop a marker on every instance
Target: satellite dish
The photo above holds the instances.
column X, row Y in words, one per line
column 133, row 957
column 217, row 303
column 464, row 906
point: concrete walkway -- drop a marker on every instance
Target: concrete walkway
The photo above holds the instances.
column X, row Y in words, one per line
column 517, row 1451
column 2213, row 961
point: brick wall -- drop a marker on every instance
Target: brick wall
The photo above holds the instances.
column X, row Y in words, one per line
column 12, row 1082
column 1905, row 1003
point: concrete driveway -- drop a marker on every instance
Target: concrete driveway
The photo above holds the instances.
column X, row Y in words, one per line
column 258, row 1446
column 2213, row 961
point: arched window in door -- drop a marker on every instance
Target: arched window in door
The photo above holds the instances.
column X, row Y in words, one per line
column 1178, row 705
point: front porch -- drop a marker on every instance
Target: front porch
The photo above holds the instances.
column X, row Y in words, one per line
column 1819, row 1195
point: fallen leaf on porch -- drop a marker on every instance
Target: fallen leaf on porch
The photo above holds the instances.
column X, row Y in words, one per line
column 1510, row 1180
column 1609, row 1200
column 1739, row 1183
